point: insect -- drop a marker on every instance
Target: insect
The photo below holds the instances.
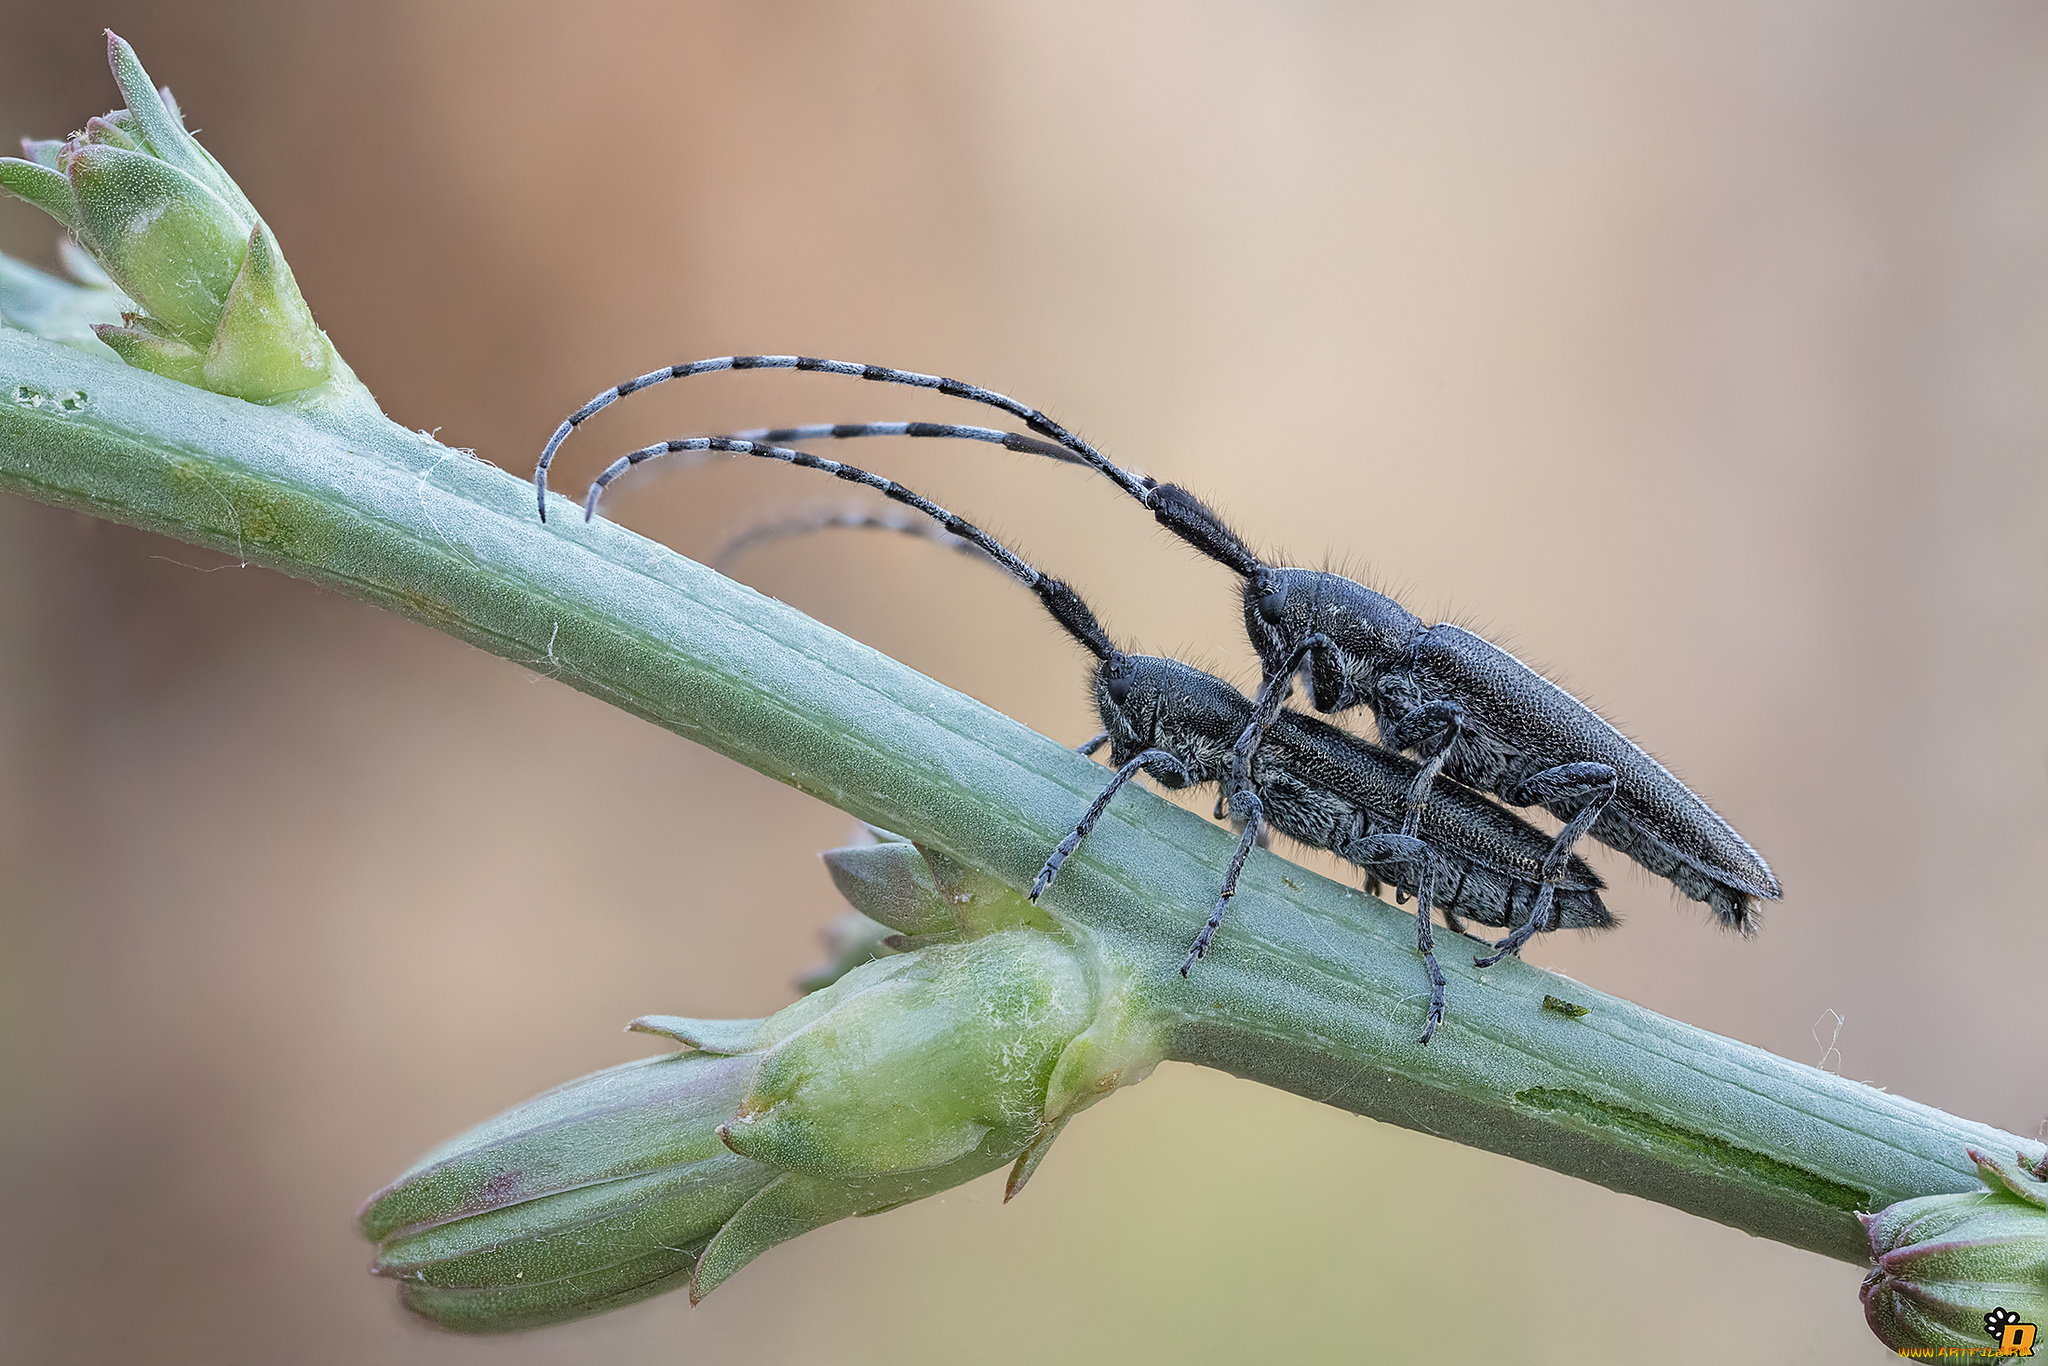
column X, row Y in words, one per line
column 1324, row 787
column 1473, row 711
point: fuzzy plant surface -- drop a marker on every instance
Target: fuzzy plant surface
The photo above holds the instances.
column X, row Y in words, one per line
column 214, row 410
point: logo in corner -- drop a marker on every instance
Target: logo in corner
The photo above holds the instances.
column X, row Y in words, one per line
column 2015, row 1339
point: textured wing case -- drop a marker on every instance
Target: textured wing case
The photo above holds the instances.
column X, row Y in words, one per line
column 1654, row 818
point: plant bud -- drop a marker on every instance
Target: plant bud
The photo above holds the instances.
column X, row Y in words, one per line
column 594, row 1195
column 220, row 309
column 907, row 1076
column 919, row 1060
column 1962, row 1271
column 167, row 240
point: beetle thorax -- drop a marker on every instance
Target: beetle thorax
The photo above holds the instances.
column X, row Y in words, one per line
column 1368, row 631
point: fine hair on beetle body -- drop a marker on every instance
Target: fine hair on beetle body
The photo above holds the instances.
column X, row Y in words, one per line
column 1331, row 790
column 1472, row 711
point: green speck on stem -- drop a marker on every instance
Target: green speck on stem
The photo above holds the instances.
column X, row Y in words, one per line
column 28, row 396
column 1678, row 1142
column 1564, row 1007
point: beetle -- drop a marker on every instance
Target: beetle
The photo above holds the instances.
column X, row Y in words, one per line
column 1475, row 712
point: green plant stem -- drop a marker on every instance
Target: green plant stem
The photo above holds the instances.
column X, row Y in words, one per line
column 1316, row 990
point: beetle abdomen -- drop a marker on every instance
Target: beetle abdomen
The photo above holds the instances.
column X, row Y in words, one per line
column 1654, row 819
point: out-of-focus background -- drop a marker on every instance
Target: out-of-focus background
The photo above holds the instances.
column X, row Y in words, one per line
column 1696, row 350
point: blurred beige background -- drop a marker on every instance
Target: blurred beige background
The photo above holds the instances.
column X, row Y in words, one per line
column 1697, row 350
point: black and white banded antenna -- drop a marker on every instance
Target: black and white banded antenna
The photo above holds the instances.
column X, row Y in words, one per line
column 843, row 519
column 1065, row 605
column 1031, row 417
column 1181, row 512
column 842, row 431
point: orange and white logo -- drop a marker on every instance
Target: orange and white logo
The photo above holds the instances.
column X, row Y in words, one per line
column 2015, row 1339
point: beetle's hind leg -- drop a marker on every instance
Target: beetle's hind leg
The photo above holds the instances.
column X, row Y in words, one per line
column 1542, row 919
column 1409, row 850
column 1592, row 783
column 1563, row 783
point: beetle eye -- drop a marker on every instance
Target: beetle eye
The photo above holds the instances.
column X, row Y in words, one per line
column 1118, row 684
column 1273, row 602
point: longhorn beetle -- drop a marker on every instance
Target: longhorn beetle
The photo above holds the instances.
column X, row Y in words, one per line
column 1308, row 779
column 1478, row 714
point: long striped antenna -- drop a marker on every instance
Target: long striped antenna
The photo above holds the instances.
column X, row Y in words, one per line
column 843, row 519
column 1031, row 417
column 1176, row 509
column 1179, row 511
column 1064, row 603
column 844, row 431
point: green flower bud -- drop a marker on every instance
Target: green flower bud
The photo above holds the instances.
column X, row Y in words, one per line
column 889, row 882
column 907, row 1076
column 924, row 895
column 896, row 901
column 219, row 306
column 594, row 1195
column 919, row 1060
column 1954, row 1271
column 903, row 898
column 165, row 238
